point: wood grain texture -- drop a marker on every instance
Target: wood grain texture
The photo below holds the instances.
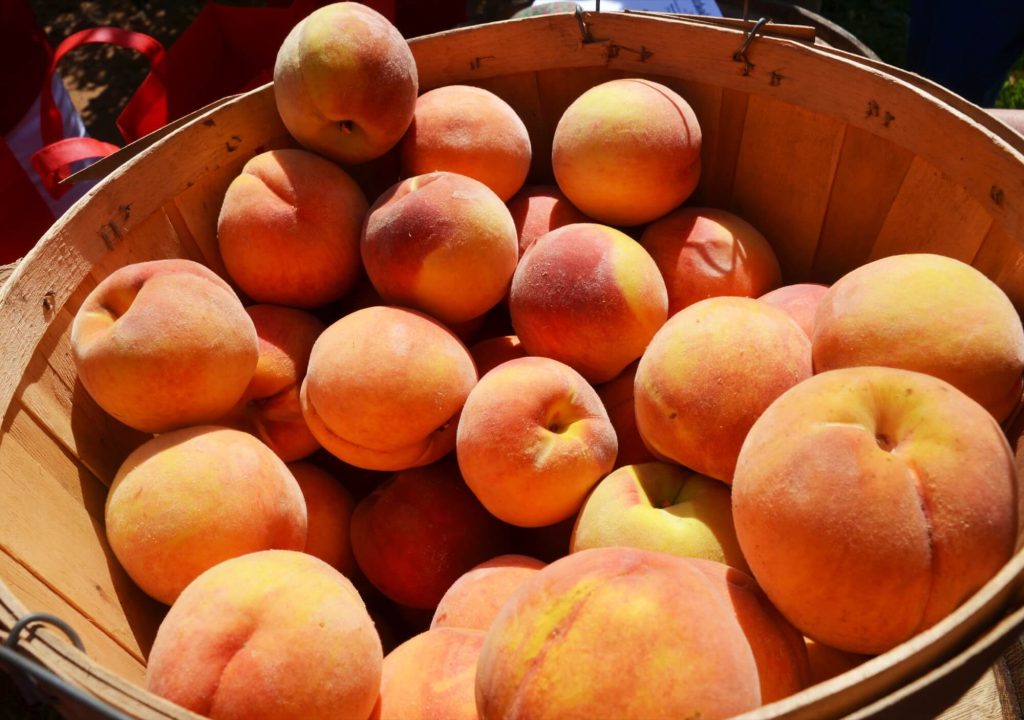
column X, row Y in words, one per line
column 1001, row 258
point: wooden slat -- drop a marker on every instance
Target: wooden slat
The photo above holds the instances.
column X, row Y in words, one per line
column 1001, row 258
column 784, row 173
column 718, row 173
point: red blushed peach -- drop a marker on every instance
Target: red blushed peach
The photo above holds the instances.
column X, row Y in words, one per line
column 384, row 388
column 492, row 352
column 473, row 601
column 420, row 531
column 288, row 229
column 703, row 252
column 539, row 209
column 627, row 151
column 545, row 542
column 928, row 313
column 800, row 301
column 617, row 396
column 442, row 243
column 272, row 635
column 270, row 407
column 189, row 499
column 617, row 633
column 589, row 296
column 861, row 475
column 329, row 508
column 469, row 131
column 827, row 662
column 709, row 373
column 432, row 675
column 164, row 344
column 661, row 507
column 532, row 440
column 345, row 83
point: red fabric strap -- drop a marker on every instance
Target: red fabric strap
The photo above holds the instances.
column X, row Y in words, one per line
column 53, row 162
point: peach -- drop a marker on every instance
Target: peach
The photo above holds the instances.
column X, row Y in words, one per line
column 827, row 662
column 270, row 407
column 661, row 507
column 189, row 499
column 427, row 236
column 704, row 252
column 272, row 635
column 709, row 373
column 533, row 439
column 420, row 531
column 589, row 296
column 473, row 601
column 539, row 209
column 928, row 313
column 800, row 301
column 431, row 675
column 164, row 344
column 617, row 633
column 492, row 352
column 545, row 542
column 384, row 388
column 627, row 151
column 345, row 83
column 288, row 229
column 329, row 507
column 617, row 396
column 861, row 475
column 470, row 131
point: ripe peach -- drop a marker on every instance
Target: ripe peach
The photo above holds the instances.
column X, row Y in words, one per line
column 661, row 507
column 704, row 252
column 441, row 243
column 539, row 209
column 532, row 440
column 473, row 601
column 329, row 507
column 420, row 531
column 627, row 151
column 288, row 229
column 827, row 662
column 345, row 83
column 928, row 313
column 800, row 301
column 589, row 296
column 272, row 635
column 492, row 352
column 470, row 131
column 189, row 499
column 617, row 396
column 617, row 633
column 709, row 373
column 164, row 344
column 861, row 475
column 384, row 388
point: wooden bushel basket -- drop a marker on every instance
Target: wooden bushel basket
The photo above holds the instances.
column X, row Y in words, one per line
column 836, row 159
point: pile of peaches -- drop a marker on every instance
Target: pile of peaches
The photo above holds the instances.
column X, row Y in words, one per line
column 561, row 451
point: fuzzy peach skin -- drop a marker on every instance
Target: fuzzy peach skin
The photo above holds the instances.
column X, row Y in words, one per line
column 539, row 209
column 469, row 131
column 492, row 352
column 164, row 344
column 288, row 229
column 329, row 507
column 617, row 633
column 189, row 499
column 473, row 601
column 617, row 396
column 928, row 313
column 533, row 439
column 345, row 83
column 627, row 151
column 709, row 373
column 431, row 675
column 420, row 531
column 657, row 506
column 704, row 252
column 270, row 407
column 442, row 243
column 272, row 635
column 779, row 650
column 589, row 296
column 861, row 475
column 384, row 388
column 800, row 300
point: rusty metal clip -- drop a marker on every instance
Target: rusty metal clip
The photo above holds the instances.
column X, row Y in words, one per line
column 741, row 54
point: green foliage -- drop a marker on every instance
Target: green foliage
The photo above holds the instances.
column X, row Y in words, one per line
column 879, row 24
column 1012, row 93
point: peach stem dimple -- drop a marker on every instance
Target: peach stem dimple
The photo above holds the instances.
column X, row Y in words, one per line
column 884, row 442
column 347, row 126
